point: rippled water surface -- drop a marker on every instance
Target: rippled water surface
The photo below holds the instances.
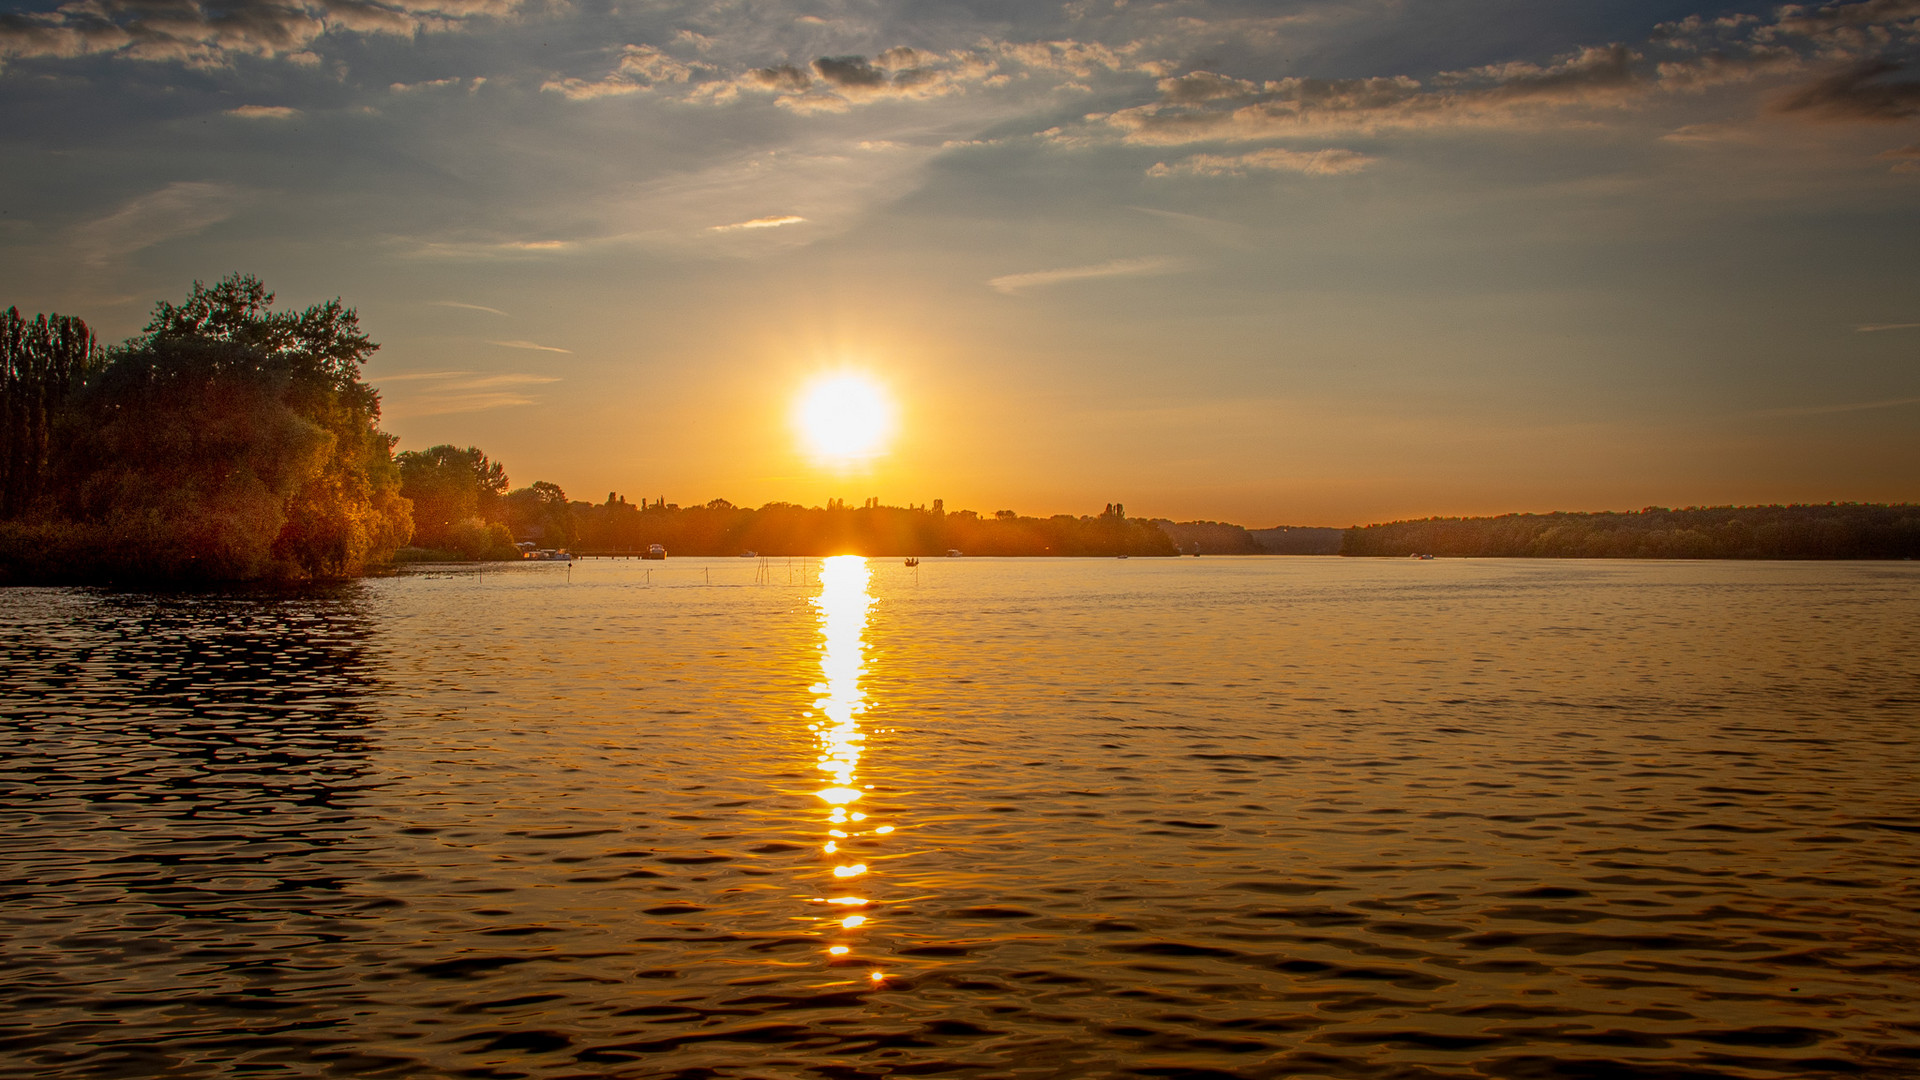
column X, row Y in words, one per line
column 1210, row 817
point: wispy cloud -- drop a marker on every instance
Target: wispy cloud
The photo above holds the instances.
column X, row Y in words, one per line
column 264, row 112
column 440, row 249
column 1823, row 410
column 1011, row 284
column 1874, row 328
column 448, row 404
column 177, row 210
column 1310, row 162
column 482, row 382
column 469, row 380
column 420, row 376
column 472, row 85
column 531, row 345
column 641, row 68
column 442, row 393
column 466, row 307
column 1906, row 159
column 773, row 222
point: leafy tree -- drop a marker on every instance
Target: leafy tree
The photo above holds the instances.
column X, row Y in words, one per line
column 476, row 539
column 447, row 485
column 541, row 512
column 229, row 441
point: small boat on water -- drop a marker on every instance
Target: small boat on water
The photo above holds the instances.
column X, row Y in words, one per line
column 655, row 551
column 749, row 554
column 953, row 553
column 911, row 561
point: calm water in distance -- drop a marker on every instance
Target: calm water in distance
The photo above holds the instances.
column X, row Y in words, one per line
column 1259, row 817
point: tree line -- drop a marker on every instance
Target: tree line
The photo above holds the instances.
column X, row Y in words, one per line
column 1829, row 531
column 780, row 528
column 462, row 506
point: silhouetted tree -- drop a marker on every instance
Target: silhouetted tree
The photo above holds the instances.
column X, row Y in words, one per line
column 540, row 512
column 42, row 363
column 227, row 442
column 448, row 485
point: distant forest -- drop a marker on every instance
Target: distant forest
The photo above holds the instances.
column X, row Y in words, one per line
column 464, row 507
column 1830, row 531
column 721, row 528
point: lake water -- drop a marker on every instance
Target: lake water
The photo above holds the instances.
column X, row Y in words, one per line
column 1206, row 817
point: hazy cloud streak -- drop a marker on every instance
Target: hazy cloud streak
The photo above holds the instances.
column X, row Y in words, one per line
column 1012, row 284
column 773, row 222
column 531, row 345
column 179, row 209
column 468, row 307
column 264, row 112
column 1310, row 162
column 460, row 392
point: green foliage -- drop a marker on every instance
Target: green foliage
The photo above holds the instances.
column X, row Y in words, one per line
column 447, row 485
column 228, row 442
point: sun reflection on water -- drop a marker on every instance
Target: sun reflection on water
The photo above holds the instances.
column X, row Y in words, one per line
column 842, row 605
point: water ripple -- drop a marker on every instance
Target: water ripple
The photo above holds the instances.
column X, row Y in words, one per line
column 1219, row 818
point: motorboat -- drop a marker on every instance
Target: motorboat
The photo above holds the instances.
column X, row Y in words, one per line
column 655, row 551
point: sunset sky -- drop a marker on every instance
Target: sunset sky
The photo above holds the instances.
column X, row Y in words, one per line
column 1306, row 262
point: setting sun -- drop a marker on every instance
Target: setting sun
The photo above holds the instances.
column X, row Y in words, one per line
column 844, row 418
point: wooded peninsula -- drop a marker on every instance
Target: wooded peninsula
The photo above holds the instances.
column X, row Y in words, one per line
column 229, row 442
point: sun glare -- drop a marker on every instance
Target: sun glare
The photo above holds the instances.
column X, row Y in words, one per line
column 844, row 418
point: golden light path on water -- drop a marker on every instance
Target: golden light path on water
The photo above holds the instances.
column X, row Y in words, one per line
column 842, row 607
